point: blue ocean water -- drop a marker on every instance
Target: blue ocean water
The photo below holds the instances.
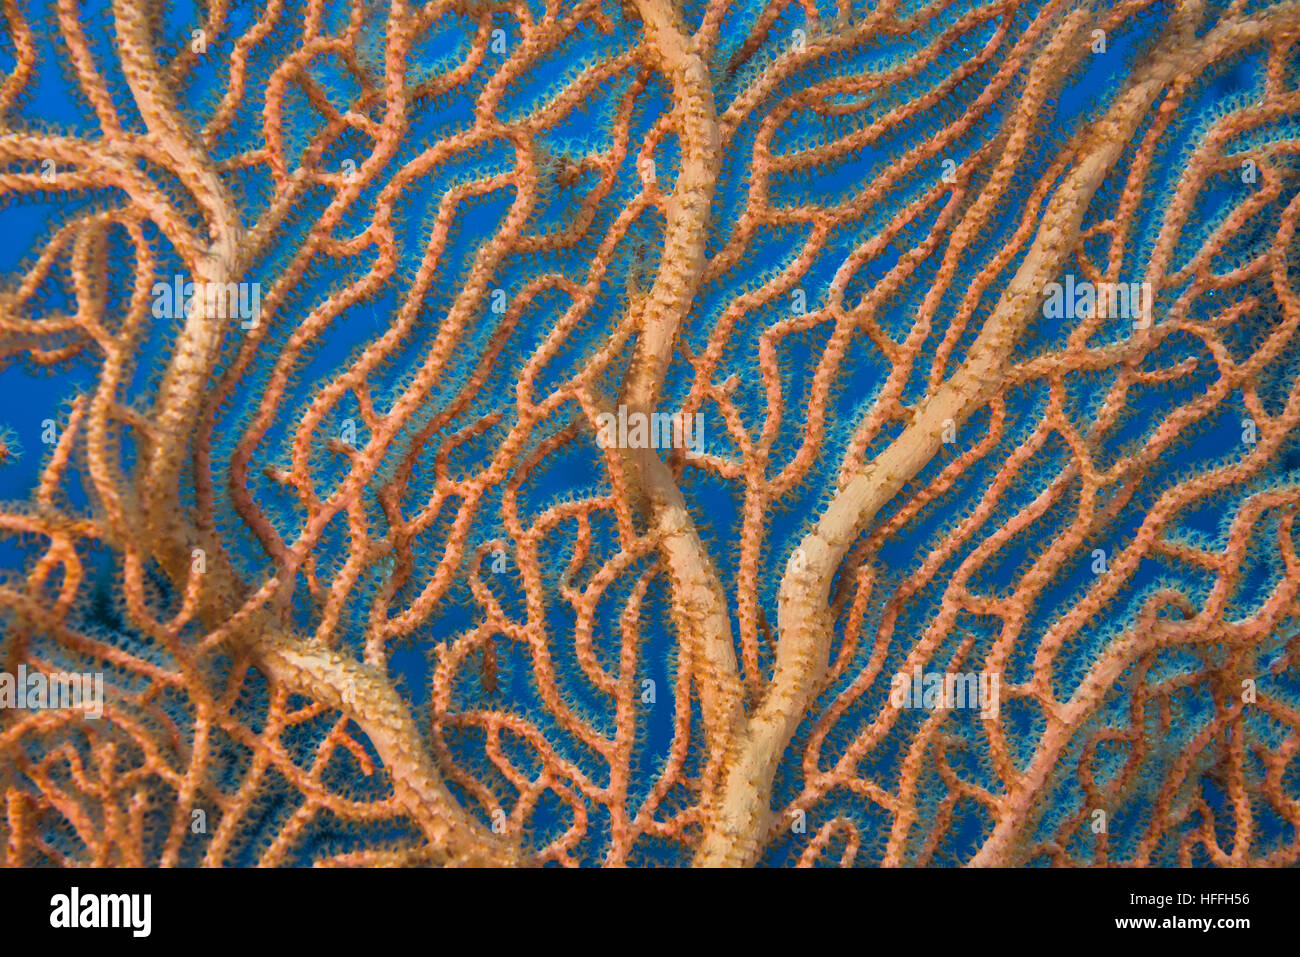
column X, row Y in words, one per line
column 33, row 396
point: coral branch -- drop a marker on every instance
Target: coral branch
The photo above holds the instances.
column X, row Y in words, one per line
column 501, row 434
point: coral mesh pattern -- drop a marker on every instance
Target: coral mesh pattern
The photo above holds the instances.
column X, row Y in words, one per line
column 366, row 587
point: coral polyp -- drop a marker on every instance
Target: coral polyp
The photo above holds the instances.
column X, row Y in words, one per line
column 10, row 448
column 508, row 432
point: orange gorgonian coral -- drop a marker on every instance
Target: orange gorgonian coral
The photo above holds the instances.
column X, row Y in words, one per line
column 507, row 432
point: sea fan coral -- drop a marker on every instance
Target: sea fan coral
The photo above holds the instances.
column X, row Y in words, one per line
column 514, row 432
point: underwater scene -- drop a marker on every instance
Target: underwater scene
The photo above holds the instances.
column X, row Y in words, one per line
column 649, row 433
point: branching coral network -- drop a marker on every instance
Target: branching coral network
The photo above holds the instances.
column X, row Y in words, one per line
column 506, row 432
